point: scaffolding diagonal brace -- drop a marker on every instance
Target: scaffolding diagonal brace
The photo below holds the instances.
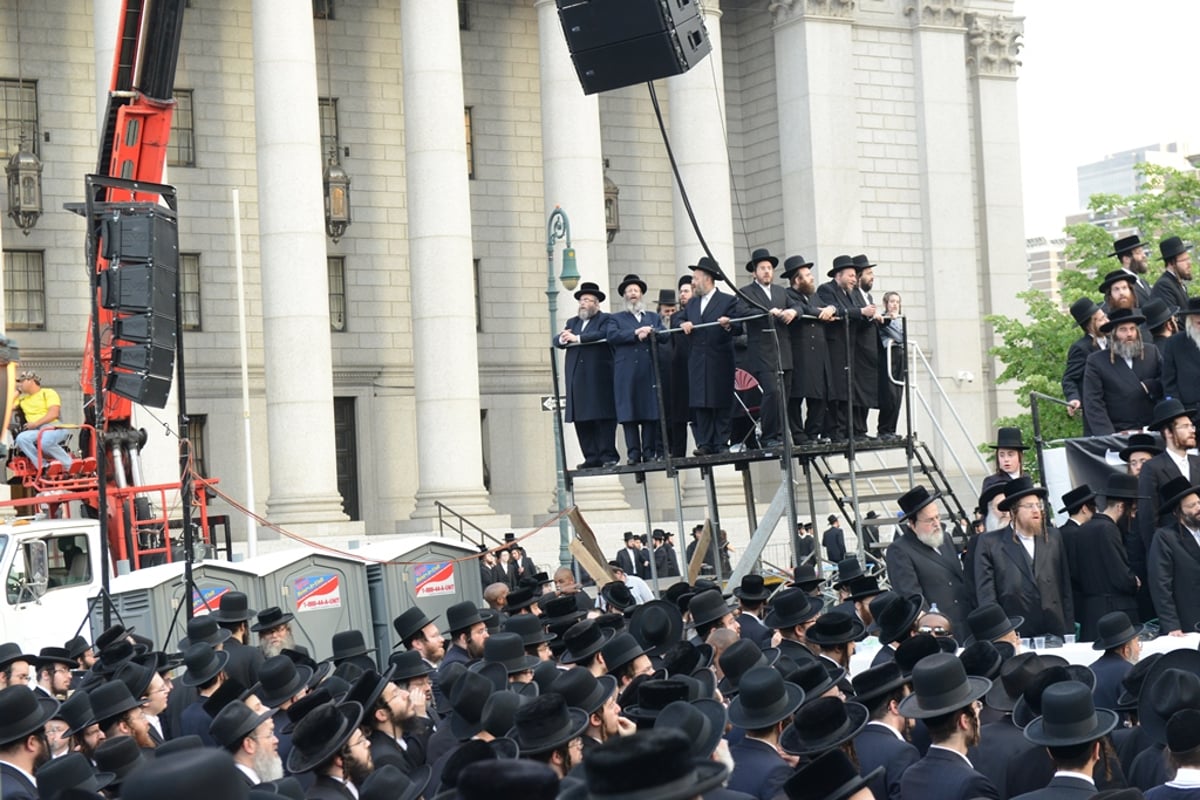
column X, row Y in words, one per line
column 766, row 526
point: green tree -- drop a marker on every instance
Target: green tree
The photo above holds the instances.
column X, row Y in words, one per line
column 1034, row 350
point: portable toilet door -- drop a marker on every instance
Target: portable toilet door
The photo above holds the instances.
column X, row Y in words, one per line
column 216, row 577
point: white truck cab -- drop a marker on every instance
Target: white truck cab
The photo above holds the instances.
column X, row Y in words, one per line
column 51, row 567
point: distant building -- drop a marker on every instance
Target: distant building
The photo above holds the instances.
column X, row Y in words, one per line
column 1046, row 258
column 1117, row 173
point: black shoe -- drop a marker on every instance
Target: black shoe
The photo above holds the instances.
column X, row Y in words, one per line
column 774, row 441
column 702, row 451
column 588, row 464
column 632, row 461
column 610, row 464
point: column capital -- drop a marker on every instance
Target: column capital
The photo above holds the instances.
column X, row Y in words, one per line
column 785, row 11
column 936, row 14
column 994, row 44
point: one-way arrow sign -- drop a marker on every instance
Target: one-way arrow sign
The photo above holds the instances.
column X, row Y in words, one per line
column 548, row 403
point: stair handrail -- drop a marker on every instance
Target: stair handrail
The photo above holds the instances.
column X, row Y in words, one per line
column 450, row 517
column 918, row 353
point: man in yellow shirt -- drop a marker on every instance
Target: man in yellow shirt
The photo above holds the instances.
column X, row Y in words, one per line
column 41, row 408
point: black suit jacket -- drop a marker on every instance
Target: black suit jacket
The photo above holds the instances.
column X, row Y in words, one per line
column 915, row 568
column 753, row 629
column 1155, row 473
column 1063, row 787
column 1041, row 594
column 766, row 334
column 1117, row 398
column 943, row 775
column 1072, row 379
column 1174, row 572
column 758, row 770
column 999, row 743
column 244, row 661
column 1109, row 669
column 14, row 785
column 1181, row 370
column 1106, row 581
column 710, row 363
column 834, row 542
column 1169, row 289
column 878, row 746
column 326, row 788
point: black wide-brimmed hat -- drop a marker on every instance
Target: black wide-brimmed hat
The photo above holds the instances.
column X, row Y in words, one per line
column 193, row 774
column 584, row 639
column 848, row 569
column 794, row 264
column 1019, row 488
column 1183, row 731
column 235, row 722
column 1171, row 247
column 279, row 680
column 1171, row 685
column 461, row 616
column 761, row 254
column 112, row 634
column 982, row 659
column 1076, row 498
column 706, row 264
column 861, row 262
column 1069, row 717
column 1055, row 669
column 11, row 651
column 48, row 656
column 864, row 587
column 916, row 647
column 270, row 618
column 411, row 622
column 989, row 622
column 1015, row 675
column 1192, row 308
column 136, row 676
column 708, row 606
column 1008, row 439
column 1121, row 486
column 815, row 677
column 653, row 696
column 1083, row 310
column 1131, row 684
column 203, row 664
column 834, row 628
column 657, row 626
column 792, row 607
column 70, row 772
column 878, row 681
column 840, row 263
column 388, row 782
column 1116, row 276
column 823, row 724
column 322, row 733
column 1167, row 411
column 764, row 698
column 941, row 686
column 76, row 711
column 650, row 765
column 702, row 721
column 529, row 628
column 23, row 712
column 631, row 280
column 1140, row 443
column 830, row 776
column 736, row 660
column 914, row 500
column 752, row 589
column 203, row 629
column 348, row 644
column 520, row 598
column 897, row 616
column 1121, row 316
column 508, row 650
column 588, row 287
column 408, row 664
column 805, row 576
column 547, row 723
column 77, row 647
column 369, row 687
column 1172, row 493
column 235, row 607
column 617, row 596
column 1126, row 244
column 467, row 698
column 561, row 610
column 666, row 297
column 581, row 689
column 1158, row 313
column 111, row 700
column 620, row 650
column 1113, row 630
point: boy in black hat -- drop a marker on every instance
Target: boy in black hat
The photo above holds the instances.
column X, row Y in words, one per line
column 588, row 380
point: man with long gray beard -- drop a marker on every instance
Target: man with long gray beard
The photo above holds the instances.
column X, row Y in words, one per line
column 588, row 379
column 250, row 739
column 634, row 389
column 1105, row 578
column 1181, row 358
column 1122, row 384
column 274, row 629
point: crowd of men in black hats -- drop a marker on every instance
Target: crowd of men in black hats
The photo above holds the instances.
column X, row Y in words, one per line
column 682, row 696
column 792, row 341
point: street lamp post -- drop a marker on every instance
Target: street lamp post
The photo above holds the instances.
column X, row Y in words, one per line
column 559, row 227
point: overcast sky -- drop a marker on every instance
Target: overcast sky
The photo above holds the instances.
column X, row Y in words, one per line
column 1098, row 77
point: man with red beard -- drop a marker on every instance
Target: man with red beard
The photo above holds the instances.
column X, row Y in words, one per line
column 23, row 747
column 1134, row 257
column 329, row 743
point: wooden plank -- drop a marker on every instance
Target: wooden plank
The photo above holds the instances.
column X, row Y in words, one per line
column 702, row 544
column 597, row 569
column 587, row 540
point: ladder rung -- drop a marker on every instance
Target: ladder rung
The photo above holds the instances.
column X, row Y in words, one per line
column 878, row 497
column 881, row 472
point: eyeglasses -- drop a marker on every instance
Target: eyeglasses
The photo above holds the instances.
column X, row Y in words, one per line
column 936, row 631
column 1028, row 506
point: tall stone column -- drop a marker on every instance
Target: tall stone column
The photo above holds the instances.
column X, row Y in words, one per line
column 993, row 43
column 818, row 155
column 295, row 307
column 440, row 252
column 106, row 15
column 573, row 177
column 948, row 205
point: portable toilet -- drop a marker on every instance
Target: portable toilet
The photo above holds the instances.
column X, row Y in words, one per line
column 428, row 571
column 215, row 577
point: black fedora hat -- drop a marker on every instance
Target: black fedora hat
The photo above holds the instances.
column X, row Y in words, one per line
column 878, row 681
column 112, row 634
column 1015, row 676
column 685, row 280
column 1069, row 717
column 1122, row 316
column 529, row 628
column 1158, row 313
column 706, row 264
column 581, row 689
column 589, row 287
column 203, row 629
column 1171, row 247
column 815, row 677
column 830, row 776
column 584, row 639
column 794, row 264
column 1076, row 498
column 461, row 616
column 736, row 660
column 1113, row 630
column 1126, row 244
column 914, row 500
column 792, row 607
column 834, row 628
column 861, row 262
column 408, row 664
column 77, row 647
column 119, row 756
column 1008, row 439
column 840, row 263
column 1121, row 486
column 1140, row 443
column 823, row 724
column 761, row 254
column 76, row 711
column 1183, row 731
column 1171, row 685
column 1083, row 310
column 23, row 712
column 805, row 576
column 71, row 771
column 685, row 658
column 982, row 659
column 561, row 610
column 666, row 297
column 1172, row 493
column 321, row 733
column 270, row 618
column 467, row 698
column 1192, row 308
column 764, row 698
column 11, row 652
column 655, row 764
column 897, row 616
column 847, row 570
column 631, row 280
column 708, row 606
column 369, row 687
column 1019, row 488
column 508, row 650
column 653, row 696
column 317, row 697
column 48, row 656
column 111, row 700
column 620, row 650
column 110, row 659
column 279, row 680
column 617, row 596
column 136, row 676
column 547, row 723
column 1131, row 684
column 752, row 589
column 498, row 779
column 193, row 774
column 411, row 622
column 1116, row 276
column 235, row 607
column 864, row 587
column 203, row 664
column 657, row 626
column 910, row 652
column 941, row 686
column 989, row 622
column 702, row 721
column 347, row 645
column 519, row 598
column 388, row 782
column 1054, row 670
column 1167, row 411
